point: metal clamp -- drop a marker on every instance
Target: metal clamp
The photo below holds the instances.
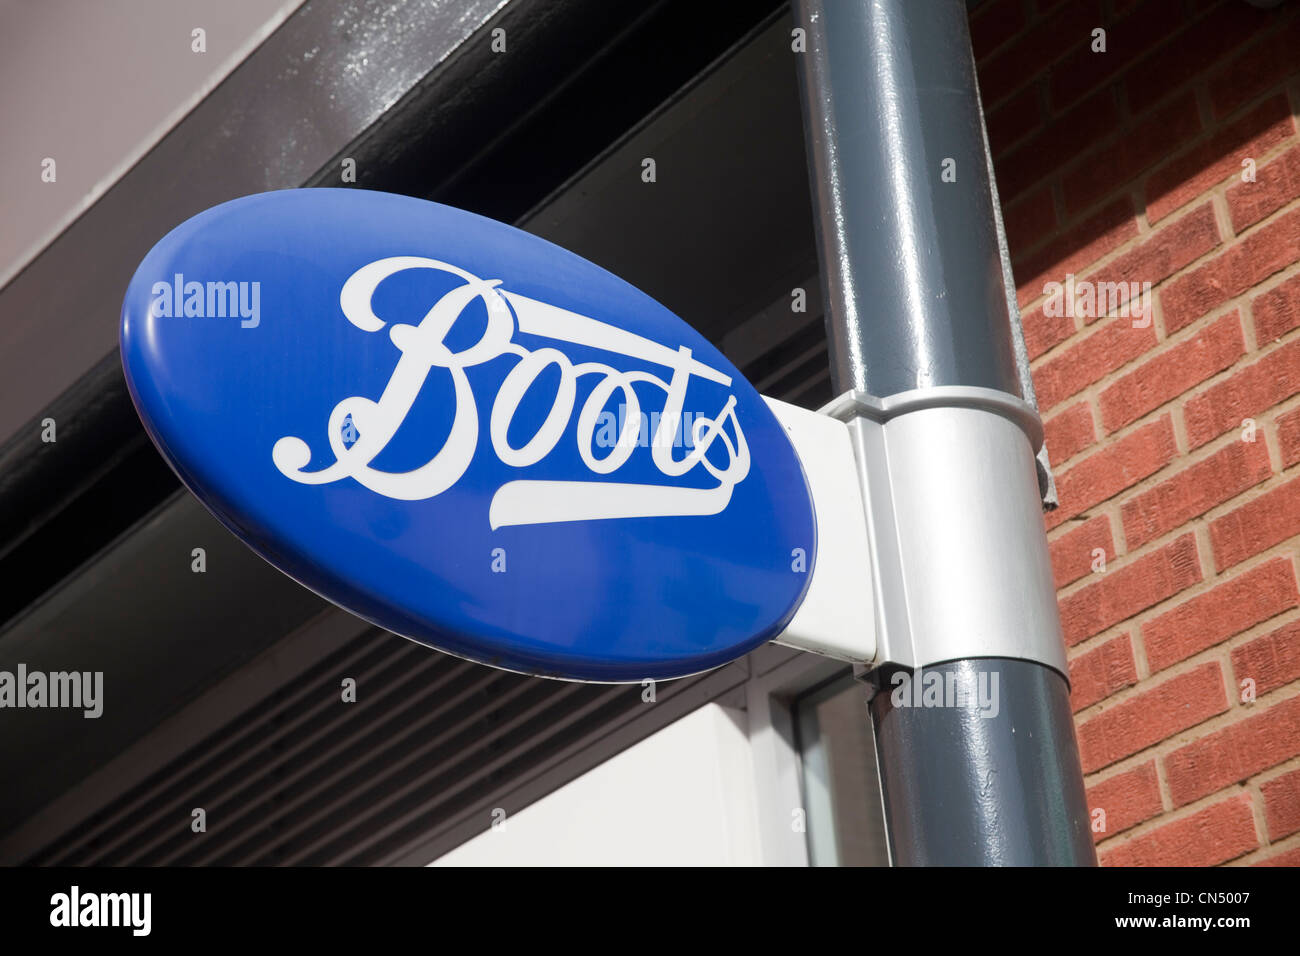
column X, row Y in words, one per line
column 959, row 560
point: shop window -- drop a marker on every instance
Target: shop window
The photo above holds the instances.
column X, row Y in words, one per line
column 841, row 786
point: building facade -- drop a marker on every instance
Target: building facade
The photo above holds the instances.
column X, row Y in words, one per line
column 1148, row 164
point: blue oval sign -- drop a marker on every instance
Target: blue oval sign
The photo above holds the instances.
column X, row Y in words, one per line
column 468, row 435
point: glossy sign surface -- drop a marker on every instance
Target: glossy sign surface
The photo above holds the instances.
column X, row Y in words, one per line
column 468, row 435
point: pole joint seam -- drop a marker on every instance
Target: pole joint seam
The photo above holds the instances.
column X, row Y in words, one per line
column 859, row 404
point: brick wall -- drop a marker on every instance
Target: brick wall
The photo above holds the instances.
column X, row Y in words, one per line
column 1176, row 443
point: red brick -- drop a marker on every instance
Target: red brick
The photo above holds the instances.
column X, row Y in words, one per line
column 1194, row 491
column 1033, row 50
column 1256, row 525
column 1174, row 246
column 1277, row 311
column 1172, row 372
column 1044, row 332
column 1127, row 40
column 1030, row 219
column 1184, row 178
column 1271, row 661
column 1114, row 345
column 1153, row 715
column 1115, row 467
column 1282, row 804
column 1215, row 835
column 1114, row 167
column 1285, row 858
column 1247, row 263
column 1276, row 184
column 1190, row 52
column 1257, row 69
column 1254, row 389
column 1124, row 592
column 1069, row 432
column 1014, row 120
column 1101, row 671
column 1072, row 551
column 1219, row 613
column 994, row 23
column 1057, row 143
column 1083, row 244
column 1127, row 799
column 1288, row 435
column 1234, row 753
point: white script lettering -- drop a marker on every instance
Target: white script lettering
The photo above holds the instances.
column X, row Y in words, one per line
column 423, row 348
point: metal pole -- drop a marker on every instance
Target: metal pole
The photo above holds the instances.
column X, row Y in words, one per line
column 977, row 754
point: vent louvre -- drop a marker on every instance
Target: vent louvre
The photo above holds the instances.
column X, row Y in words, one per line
column 302, row 778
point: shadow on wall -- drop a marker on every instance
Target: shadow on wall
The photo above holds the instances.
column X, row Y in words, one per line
column 1091, row 146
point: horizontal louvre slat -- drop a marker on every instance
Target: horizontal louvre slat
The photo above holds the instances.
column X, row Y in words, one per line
column 304, row 778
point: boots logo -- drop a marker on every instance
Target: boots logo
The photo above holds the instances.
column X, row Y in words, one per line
column 468, row 436
column 423, row 348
